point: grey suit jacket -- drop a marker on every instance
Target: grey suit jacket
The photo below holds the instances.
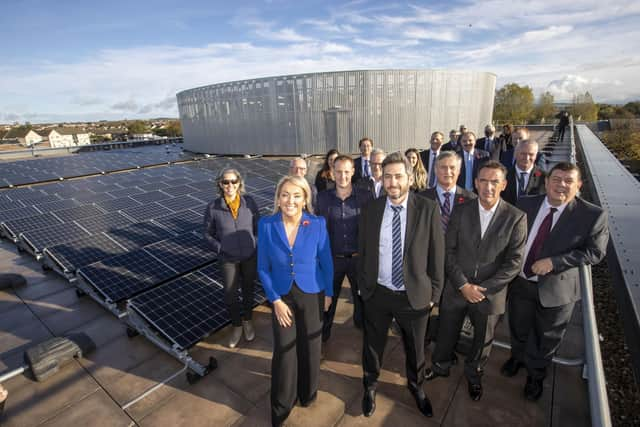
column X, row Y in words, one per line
column 491, row 261
column 461, row 196
column 579, row 237
column 535, row 185
column 423, row 260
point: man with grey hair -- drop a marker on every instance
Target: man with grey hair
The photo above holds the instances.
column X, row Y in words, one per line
column 374, row 183
column 298, row 167
column 525, row 178
column 489, row 142
column 453, row 145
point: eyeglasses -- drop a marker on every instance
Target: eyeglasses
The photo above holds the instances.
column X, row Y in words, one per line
column 229, row 181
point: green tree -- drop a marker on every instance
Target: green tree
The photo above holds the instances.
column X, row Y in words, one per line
column 174, row 128
column 138, row 126
column 545, row 110
column 633, row 107
column 583, row 108
column 513, row 103
column 608, row 111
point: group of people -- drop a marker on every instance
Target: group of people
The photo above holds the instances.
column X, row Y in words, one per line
column 451, row 229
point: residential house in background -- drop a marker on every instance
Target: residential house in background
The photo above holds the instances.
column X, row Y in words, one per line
column 24, row 137
column 67, row 137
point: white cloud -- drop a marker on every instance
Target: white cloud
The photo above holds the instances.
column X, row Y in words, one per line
column 424, row 34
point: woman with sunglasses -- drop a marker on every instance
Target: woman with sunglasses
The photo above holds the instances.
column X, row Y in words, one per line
column 231, row 223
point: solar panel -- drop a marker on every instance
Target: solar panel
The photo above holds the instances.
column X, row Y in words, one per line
column 178, row 181
column 126, row 192
column 183, row 253
column 185, row 310
column 25, row 194
column 151, row 196
column 152, row 186
column 92, row 197
column 118, row 204
column 57, row 205
column 139, row 234
column 20, row 225
column 75, row 254
column 78, row 212
column 6, row 205
column 181, row 203
column 182, row 222
column 204, row 186
column 123, row 276
column 145, row 212
column 41, row 238
column 179, row 190
column 205, row 196
column 18, row 213
column 104, row 222
column 41, row 200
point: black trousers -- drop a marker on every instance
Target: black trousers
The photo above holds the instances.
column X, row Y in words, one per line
column 451, row 320
column 383, row 306
column 536, row 331
column 343, row 267
column 236, row 274
column 295, row 366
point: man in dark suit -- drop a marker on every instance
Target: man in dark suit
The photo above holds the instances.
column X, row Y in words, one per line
column 401, row 271
column 428, row 157
column 374, row 184
column 484, row 248
column 565, row 232
column 524, row 178
column 508, row 156
column 362, row 164
column 453, row 145
column 490, row 143
column 472, row 159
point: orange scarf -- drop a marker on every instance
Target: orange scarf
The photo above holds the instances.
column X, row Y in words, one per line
column 234, row 205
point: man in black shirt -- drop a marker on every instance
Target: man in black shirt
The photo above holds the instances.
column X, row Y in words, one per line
column 341, row 208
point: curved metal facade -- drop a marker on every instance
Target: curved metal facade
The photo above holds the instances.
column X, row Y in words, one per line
column 311, row 113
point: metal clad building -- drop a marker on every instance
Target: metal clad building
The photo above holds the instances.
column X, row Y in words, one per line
column 312, row 113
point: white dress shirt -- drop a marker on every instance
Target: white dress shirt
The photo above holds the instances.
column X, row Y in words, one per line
column 486, row 216
column 377, row 186
column 385, row 247
column 542, row 213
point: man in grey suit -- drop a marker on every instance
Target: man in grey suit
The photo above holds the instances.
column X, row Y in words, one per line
column 400, row 275
column 429, row 156
column 565, row 232
column 484, row 251
column 490, row 143
column 524, row 178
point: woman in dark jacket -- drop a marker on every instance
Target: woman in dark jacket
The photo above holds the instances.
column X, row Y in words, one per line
column 231, row 223
column 324, row 178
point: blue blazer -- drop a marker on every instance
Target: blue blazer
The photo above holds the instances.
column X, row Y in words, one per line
column 309, row 262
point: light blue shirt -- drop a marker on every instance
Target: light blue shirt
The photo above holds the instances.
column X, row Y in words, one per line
column 468, row 169
column 385, row 247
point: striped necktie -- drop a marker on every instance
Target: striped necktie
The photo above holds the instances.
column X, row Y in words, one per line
column 396, row 255
column 445, row 211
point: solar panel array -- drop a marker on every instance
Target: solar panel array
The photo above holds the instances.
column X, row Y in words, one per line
column 135, row 236
column 87, row 163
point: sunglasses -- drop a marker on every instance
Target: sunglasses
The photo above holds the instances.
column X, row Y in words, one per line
column 229, row 181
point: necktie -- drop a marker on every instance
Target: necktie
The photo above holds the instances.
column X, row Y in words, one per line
column 445, row 211
column 432, row 171
column 536, row 246
column 468, row 183
column 487, row 145
column 521, row 179
column 366, row 169
column 396, row 255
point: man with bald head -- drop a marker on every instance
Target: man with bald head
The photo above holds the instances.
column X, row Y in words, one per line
column 298, row 167
column 490, row 143
column 525, row 178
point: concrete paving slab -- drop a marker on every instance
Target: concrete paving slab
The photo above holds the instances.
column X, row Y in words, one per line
column 570, row 398
column 19, row 339
column 15, row 316
column 96, row 410
column 34, row 291
column 102, row 329
column 54, row 303
column 31, row 403
column 73, row 316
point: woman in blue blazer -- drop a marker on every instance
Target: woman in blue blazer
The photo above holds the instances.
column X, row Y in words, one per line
column 296, row 271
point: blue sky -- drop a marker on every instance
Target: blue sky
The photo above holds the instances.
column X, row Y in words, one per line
column 87, row 60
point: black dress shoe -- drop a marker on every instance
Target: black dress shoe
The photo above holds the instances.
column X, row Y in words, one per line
column 533, row 389
column 431, row 373
column 423, row 402
column 309, row 402
column 369, row 403
column 475, row 391
column 511, row 367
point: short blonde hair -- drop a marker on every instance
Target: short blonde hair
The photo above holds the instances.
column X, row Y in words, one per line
column 298, row 182
column 221, row 178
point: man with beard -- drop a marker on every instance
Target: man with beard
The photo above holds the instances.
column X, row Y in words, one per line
column 401, row 272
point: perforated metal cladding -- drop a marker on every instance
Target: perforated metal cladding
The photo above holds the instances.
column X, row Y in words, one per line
column 312, row 113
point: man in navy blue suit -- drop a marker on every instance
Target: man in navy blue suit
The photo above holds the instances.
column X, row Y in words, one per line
column 472, row 158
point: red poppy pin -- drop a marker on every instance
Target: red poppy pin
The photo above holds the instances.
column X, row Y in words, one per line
column 460, row 199
column 537, row 174
column 305, row 222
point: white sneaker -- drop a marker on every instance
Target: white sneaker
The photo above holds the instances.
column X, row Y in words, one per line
column 236, row 334
column 249, row 331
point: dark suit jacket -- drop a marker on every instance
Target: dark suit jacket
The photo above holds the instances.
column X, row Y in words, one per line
column 425, row 156
column 491, row 262
column 449, row 147
column 534, row 187
column 481, row 156
column 369, row 185
column 461, row 195
column 423, row 260
column 579, row 237
column 357, row 165
column 496, row 145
